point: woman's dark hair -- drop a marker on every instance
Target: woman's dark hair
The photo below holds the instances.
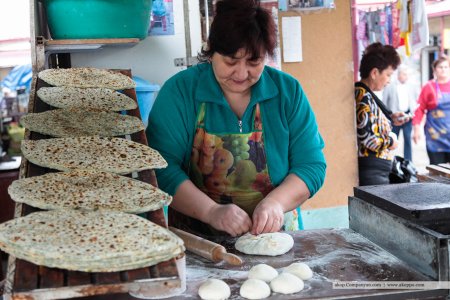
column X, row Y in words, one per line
column 378, row 56
column 240, row 24
column 440, row 60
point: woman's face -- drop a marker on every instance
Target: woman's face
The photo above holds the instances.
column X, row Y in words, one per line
column 442, row 70
column 237, row 74
column 381, row 79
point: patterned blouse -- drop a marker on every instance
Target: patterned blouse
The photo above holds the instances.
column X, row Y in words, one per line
column 372, row 125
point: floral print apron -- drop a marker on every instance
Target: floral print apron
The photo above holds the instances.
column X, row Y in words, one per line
column 230, row 168
column 437, row 126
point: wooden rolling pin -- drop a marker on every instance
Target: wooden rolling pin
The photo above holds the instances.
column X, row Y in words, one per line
column 206, row 249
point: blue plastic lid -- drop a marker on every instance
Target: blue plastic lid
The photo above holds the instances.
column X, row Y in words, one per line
column 143, row 85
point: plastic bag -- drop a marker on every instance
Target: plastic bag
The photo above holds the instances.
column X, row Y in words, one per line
column 402, row 171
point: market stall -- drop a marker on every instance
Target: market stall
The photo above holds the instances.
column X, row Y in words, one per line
column 370, row 251
column 383, row 244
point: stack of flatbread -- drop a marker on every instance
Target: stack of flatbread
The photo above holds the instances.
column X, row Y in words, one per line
column 88, row 241
column 75, row 122
column 87, row 78
column 86, row 98
column 115, row 155
column 89, row 226
column 88, row 190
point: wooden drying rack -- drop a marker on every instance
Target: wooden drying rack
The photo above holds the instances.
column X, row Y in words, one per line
column 436, row 173
column 25, row 280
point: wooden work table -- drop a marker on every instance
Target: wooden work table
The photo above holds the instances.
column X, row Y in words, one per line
column 332, row 254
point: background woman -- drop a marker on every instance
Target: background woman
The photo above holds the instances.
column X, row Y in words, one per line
column 240, row 138
column 434, row 101
column 373, row 119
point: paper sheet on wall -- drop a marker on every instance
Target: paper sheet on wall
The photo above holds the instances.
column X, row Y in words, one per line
column 292, row 39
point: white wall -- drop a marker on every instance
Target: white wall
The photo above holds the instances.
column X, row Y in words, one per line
column 15, row 48
column 153, row 58
column 14, row 19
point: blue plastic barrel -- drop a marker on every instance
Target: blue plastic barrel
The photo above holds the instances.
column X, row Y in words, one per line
column 145, row 92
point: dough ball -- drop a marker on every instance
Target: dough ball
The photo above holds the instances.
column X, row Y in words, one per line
column 286, row 283
column 214, row 289
column 254, row 289
column 273, row 244
column 263, row 272
column 301, row 270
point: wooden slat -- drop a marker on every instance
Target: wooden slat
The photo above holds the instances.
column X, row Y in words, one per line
column 50, row 278
column 2, row 263
column 26, row 276
column 107, row 278
column 142, row 273
column 446, row 165
column 157, row 216
column 437, row 170
column 164, row 269
column 78, row 278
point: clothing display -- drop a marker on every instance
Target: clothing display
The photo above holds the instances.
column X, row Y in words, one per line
column 402, row 23
column 405, row 24
column 420, row 33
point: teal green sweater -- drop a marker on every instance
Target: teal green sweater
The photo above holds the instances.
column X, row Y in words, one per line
column 291, row 137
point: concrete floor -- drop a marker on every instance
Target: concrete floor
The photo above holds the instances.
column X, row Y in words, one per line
column 419, row 153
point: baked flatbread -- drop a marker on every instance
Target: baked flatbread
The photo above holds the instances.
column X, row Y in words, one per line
column 89, row 98
column 88, row 190
column 115, row 155
column 87, row 78
column 76, row 122
column 88, row 241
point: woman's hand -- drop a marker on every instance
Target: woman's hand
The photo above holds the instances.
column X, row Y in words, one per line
column 229, row 218
column 417, row 135
column 399, row 118
column 268, row 216
column 191, row 201
column 394, row 141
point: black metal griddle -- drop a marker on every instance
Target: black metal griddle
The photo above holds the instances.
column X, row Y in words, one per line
column 418, row 202
column 409, row 220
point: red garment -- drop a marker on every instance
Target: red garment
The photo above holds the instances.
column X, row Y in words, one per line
column 395, row 29
column 428, row 99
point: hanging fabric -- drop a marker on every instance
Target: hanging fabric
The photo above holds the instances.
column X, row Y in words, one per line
column 405, row 24
column 420, row 32
column 382, row 25
column 395, row 28
column 388, row 24
column 361, row 29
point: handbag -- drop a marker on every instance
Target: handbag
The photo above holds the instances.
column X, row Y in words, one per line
column 402, row 170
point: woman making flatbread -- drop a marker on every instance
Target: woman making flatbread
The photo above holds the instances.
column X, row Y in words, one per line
column 240, row 138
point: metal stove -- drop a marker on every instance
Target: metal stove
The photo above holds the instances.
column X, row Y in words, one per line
column 410, row 220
